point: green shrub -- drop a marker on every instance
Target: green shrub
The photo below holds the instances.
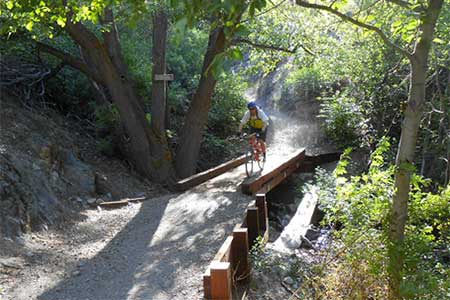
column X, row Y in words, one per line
column 228, row 106
column 343, row 119
column 361, row 207
column 301, row 84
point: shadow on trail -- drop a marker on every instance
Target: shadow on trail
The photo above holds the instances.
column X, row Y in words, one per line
column 162, row 252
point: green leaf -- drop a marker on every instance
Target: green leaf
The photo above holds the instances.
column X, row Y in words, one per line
column 370, row 18
column 412, row 25
column 10, row 5
column 397, row 23
column 236, row 54
column 438, row 41
column 242, row 30
column 29, row 25
column 61, row 21
column 216, row 66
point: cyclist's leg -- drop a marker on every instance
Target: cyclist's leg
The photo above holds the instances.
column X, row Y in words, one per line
column 262, row 140
column 252, row 131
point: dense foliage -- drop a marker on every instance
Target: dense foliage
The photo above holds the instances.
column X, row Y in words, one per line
column 359, row 207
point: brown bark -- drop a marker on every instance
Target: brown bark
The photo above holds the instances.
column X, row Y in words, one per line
column 407, row 146
column 160, row 25
column 159, row 91
column 144, row 146
column 197, row 116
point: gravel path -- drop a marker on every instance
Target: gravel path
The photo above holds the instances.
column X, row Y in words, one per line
column 157, row 249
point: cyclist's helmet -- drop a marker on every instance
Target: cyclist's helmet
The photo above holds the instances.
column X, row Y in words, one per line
column 251, row 105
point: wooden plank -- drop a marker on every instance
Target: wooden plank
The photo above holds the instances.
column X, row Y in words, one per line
column 224, row 251
column 252, row 225
column 254, row 185
column 262, row 212
column 292, row 234
column 268, row 186
column 164, row 77
column 239, row 258
column 220, row 280
column 199, row 178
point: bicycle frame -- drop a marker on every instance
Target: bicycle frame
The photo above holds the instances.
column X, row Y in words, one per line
column 254, row 153
column 256, row 146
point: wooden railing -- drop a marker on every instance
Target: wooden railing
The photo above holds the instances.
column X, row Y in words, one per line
column 231, row 264
column 199, row 178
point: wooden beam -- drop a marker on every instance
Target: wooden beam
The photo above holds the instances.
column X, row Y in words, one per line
column 199, row 178
column 251, row 186
column 273, row 182
column 221, row 280
column 252, row 225
column 224, row 251
column 262, row 212
column 299, row 224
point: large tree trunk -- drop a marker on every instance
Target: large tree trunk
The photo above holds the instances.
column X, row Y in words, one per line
column 407, row 147
column 159, row 91
column 197, row 116
column 144, row 145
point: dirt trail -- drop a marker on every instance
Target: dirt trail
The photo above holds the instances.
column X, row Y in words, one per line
column 160, row 253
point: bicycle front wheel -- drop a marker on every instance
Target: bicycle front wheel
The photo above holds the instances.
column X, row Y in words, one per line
column 261, row 161
column 249, row 162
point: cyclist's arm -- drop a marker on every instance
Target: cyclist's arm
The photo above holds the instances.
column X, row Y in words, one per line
column 244, row 120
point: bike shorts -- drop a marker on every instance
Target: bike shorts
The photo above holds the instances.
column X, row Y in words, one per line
column 260, row 133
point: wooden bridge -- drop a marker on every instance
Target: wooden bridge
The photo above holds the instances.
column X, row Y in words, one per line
column 231, row 264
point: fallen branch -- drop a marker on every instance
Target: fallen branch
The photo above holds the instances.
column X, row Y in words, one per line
column 121, row 202
column 294, row 293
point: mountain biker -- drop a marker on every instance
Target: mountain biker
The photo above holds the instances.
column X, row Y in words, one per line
column 257, row 121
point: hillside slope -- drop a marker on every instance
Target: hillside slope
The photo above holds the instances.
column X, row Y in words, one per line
column 50, row 170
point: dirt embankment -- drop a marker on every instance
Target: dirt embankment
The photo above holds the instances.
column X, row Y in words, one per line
column 50, row 170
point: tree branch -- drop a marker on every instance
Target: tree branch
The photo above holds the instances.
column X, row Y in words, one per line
column 82, row 35
column 357, row 23
column 262, row 46
column 70, row 60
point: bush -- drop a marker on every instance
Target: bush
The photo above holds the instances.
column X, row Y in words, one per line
column 301, row 85
column 361, row 208
column 343, row 119
column 228, row 106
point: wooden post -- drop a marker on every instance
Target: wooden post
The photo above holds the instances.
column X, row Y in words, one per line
column 220, row 280
column 239, row 254
column 207, row 284
column 262, row 211
column 252, row 225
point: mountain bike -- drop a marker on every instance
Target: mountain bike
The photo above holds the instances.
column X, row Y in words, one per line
column 254, row 153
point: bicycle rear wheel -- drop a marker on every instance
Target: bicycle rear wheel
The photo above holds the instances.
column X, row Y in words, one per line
column 249, row 162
